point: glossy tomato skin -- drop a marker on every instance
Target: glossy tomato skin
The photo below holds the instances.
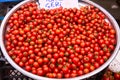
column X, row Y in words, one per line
column 109, row 75
column 61, row 42
column 117, row 75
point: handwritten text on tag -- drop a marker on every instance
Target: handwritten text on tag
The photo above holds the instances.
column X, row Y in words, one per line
column 50, row 4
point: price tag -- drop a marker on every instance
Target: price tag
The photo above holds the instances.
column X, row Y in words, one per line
column 51, row 4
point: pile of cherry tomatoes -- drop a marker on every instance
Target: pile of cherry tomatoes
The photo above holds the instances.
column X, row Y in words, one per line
column 109, row 75
column 59, row 43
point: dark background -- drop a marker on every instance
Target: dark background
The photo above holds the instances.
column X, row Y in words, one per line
column 110, row 5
